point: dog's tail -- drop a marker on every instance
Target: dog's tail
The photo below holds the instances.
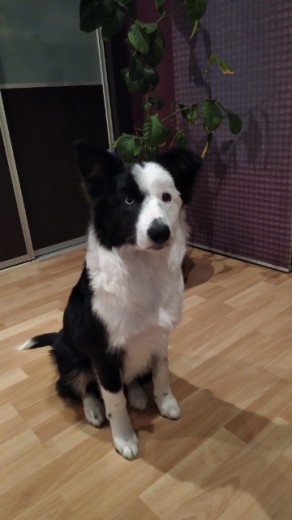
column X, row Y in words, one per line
column 39, row 341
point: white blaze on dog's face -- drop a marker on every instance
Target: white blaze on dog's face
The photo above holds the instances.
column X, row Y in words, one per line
column 158, row 218
column 137, row 205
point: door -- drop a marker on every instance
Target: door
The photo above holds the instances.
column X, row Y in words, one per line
column 12, row 244
column 53, row 94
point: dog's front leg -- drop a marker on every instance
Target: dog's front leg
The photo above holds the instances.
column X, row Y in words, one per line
column 108, row 376
column 124, row 438
column 164, row 398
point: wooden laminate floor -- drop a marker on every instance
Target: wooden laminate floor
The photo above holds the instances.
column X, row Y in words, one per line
column 229, row 457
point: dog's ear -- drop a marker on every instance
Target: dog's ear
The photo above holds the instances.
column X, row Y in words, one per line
column 96, row 167
column 183, row 165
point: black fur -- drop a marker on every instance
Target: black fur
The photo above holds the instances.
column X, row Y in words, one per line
column 109, row 183
column 43, row 340
column 183, row 166
column 81, row 346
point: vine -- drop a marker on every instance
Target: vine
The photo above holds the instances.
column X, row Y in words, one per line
column 146, row 44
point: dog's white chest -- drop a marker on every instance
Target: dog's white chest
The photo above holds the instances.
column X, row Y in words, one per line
column 139, row 302
column 134, row 293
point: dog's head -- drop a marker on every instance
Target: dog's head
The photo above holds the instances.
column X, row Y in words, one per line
column 137, row 204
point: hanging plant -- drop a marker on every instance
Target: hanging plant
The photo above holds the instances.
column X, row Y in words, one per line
column 146, row 45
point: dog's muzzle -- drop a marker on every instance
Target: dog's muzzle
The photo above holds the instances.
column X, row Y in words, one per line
column 159, row 232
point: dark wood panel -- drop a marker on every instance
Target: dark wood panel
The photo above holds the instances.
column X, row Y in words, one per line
column 12, row 242
column 44, row 123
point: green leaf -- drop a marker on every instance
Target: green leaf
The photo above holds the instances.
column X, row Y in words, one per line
column 128, row 147
column 149, row 80
column 123, row 3
column 235, row 122
column 114, row 24
column 224, row 67
column 139, row 39
column 154, row 132
column 139, row 78
column 189, row 112
column 136, row 69
column 133, row 86
column 181, row 139
column 196, row 25
column 94, row 13
column 152, row 101
column 149, row 28
column 212, row 115
column 195, row 9
column 159, row 4
column 156, row 49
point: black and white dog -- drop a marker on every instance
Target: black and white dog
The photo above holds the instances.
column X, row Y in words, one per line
column 129, row 295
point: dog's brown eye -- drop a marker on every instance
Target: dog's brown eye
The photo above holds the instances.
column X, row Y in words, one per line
column 166, row 197
column 129, row 201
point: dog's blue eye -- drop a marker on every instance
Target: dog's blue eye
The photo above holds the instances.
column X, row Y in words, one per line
column 166, row 197
column 129, row 200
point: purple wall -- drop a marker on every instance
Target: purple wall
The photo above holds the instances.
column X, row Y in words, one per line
column 243, row 199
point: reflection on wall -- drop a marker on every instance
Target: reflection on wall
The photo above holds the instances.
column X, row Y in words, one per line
column 41, row 45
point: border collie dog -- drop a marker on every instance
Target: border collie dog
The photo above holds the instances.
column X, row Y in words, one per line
column 129, row 295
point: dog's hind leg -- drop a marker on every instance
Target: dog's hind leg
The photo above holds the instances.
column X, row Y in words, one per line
column 77, row 381
column 93, row 410
column 75, row 387
column 136, row 396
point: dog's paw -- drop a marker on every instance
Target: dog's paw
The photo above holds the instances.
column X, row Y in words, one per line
column 168, row 407
column 128, row 448
column 137, row 397
column 93, row 410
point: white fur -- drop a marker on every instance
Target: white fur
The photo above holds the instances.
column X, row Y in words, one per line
column 124, row 438
column 164, row 398
column 169, row 407
column 136, row 290
column 154, row 180
column 140, row 351
column 137, row 397
column 27, row 345
column 93, row 410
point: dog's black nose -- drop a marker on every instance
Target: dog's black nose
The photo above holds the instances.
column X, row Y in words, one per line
column 159, row 232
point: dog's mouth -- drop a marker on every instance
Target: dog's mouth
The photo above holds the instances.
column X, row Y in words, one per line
column 154, row 247
column 159, row 247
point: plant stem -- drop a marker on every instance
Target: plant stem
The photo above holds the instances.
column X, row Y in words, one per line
column 220, row 105
column 208, row 81
column 170, row 13
column 171, row 114
column 206, row 147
